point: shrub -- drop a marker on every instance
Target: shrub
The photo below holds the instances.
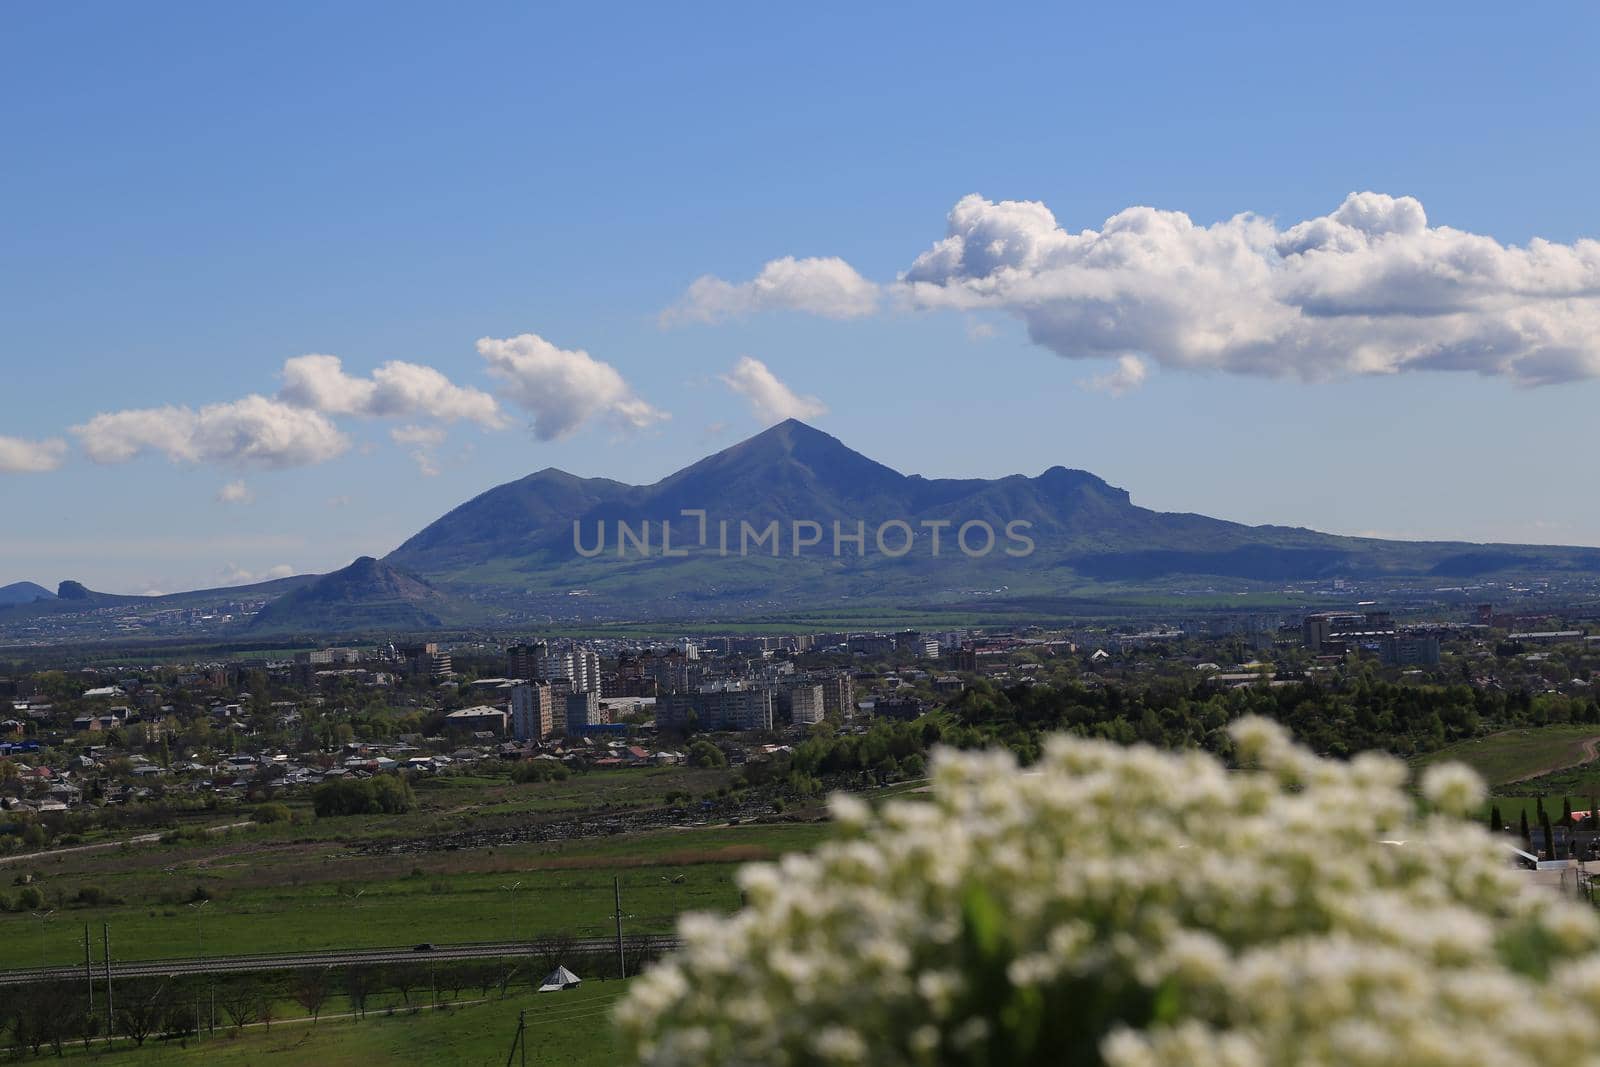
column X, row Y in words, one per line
column 1131, row 908
column 539, row 770
column 382, row 794
column 92, row 896
column 704, row 754
column 271, row 813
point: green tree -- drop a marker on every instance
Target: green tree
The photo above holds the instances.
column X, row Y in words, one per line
column 704, row 754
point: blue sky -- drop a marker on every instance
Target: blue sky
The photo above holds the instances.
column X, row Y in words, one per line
column 198, row 193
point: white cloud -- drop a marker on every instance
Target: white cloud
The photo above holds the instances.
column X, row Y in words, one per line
column 425, row 436
column 21, row 456
column 770, row 398
column 823, row 286
column 1368, row 289
column 562, row 389
column 1129, row 373
column 233, row 574
column 235, row 493
column 395, row 390
column 254, row 431
column 422, row 440
column 338, row 501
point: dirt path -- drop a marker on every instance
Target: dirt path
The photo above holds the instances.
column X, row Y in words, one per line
column 1591, row 752
column 141, row 839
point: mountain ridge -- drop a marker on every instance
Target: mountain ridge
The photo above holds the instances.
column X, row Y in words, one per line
column 513, row 551
column 1085, row 530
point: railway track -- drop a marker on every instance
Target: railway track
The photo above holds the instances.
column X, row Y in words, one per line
column 287, row 961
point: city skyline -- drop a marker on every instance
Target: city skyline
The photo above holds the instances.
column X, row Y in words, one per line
column 261, row 330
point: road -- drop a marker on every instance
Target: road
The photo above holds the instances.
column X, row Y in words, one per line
column 288, row 961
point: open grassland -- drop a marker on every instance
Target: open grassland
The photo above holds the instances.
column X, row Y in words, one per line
column 569, row 1029
column 272, row 894
column 1518, row 755
column 597, row 791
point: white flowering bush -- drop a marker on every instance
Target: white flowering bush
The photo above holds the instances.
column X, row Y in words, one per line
column 1135, row 908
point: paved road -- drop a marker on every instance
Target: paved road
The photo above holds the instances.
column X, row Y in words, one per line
column 333, row 958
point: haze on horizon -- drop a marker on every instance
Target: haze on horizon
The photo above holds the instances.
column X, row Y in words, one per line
column 278, row 302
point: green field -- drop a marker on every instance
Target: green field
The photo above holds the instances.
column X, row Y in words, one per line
column 570, row 1029
column 276, row 895
column 1514, row 755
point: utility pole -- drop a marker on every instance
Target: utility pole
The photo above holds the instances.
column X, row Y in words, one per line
column 520, row 1041
column 110, row 1004
column 622, row 968
column 88, row 967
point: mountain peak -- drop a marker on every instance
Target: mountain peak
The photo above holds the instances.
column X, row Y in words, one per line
column 791, row 434
column 789, row 458
column 24, row 593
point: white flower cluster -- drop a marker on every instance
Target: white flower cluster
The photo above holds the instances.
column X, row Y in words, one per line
column 1135, row 908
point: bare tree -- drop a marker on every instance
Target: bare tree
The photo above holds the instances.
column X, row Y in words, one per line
column 24, row 1016
column 404, row 978
column 180, row 1022
column 505, row 979
column 311, row 991
column 358, row 983
column 63, row 1016
column 140, row 1011
column 242, row 1003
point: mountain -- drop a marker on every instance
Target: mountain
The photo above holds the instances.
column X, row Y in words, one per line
column 367, row 596
column 24, row 593
column 759, row 539
column 515, row 544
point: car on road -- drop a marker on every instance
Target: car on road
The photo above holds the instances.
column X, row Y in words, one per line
column 426, row 946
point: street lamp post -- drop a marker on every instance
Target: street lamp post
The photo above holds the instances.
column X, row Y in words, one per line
column 200, row 935
column 512, row 889
column 43, row 917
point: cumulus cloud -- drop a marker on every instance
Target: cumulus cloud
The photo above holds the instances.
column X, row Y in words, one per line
column 769, row 397
column 1129, row 373
column 21, row 456
column 1371, row 288
column 254, row 431
column 821, row 286
column 562, row 389
column 233, row 574
column 421, row 440
column 235, row 493
column 396, row 389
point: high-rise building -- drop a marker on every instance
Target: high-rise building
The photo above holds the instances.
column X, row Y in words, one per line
column 1327, row 626
column 428, row 659
column 838, row 694
column 523, row 661
column 806, row 704
column 532, row 712
column 725, row 707
column 1411, row 650
column 584, row 709
column 586, row 671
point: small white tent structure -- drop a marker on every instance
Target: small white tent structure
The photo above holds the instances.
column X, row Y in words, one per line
column 560, row 979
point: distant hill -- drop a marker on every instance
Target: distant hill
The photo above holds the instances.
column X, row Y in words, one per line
column 367, row 596
column 516, row 540
column 74, row 597
column 24, row 593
